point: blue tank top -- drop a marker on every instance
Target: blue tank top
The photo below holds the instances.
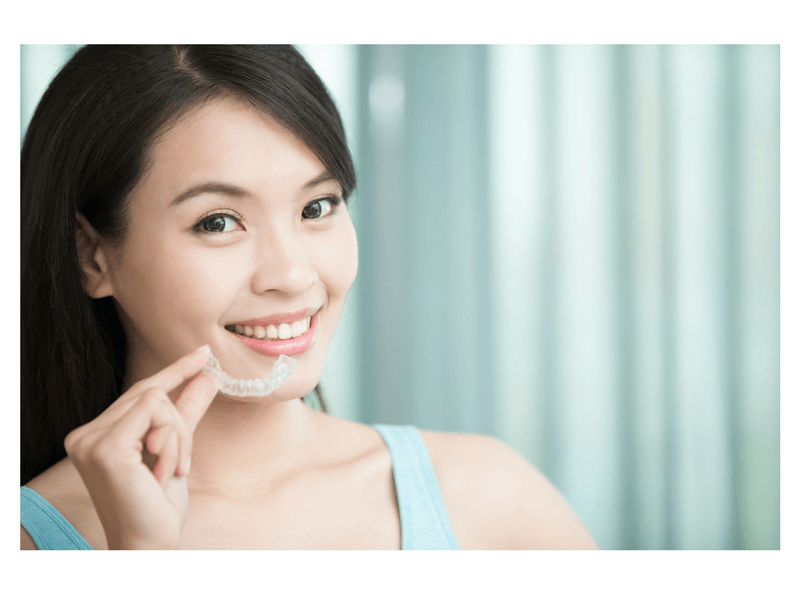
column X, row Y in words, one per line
column 424, row 524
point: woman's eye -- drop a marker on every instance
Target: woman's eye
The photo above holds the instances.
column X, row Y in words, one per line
column 319, row 209
column 217, row 224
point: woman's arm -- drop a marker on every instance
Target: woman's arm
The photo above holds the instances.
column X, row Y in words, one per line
column 498, row 500
column 25, row 540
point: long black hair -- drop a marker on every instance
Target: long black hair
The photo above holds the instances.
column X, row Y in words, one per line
column 84, row 151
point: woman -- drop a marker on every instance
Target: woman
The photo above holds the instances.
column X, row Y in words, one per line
column 184, row 197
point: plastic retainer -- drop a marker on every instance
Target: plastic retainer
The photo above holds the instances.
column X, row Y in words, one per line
column 250, row 387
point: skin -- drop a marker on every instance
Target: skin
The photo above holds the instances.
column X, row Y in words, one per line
column 271, row 472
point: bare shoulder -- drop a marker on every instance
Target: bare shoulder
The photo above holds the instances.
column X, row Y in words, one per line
column 63, row 488
column 498, row 500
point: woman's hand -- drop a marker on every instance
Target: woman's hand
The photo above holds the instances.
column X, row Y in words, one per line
column 134, row 457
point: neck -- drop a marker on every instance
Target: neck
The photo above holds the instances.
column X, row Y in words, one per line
column 240, row 449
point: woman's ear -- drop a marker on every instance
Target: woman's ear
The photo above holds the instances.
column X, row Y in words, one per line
column 93, row 256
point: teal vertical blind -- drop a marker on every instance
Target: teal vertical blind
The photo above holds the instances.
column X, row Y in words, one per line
column 573, row 249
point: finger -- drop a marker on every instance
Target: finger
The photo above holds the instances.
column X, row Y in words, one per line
column 184, row 447
column 154, row 442
column 157, row 438
column 115, row 411
column 152, row 410
column 81, row 441
column 195, row 399
column 167, row 459
column 175, row 374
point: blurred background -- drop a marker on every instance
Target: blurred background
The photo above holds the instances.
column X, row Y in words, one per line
column 574, row 249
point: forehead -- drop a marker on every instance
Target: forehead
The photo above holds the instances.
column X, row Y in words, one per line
column 227, row 140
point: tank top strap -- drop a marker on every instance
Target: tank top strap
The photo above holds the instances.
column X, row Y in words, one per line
column 424, row 524
column 49, row 529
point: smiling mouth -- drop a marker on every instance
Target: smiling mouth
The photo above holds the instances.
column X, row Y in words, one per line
column 282, row 331
column 266, row 346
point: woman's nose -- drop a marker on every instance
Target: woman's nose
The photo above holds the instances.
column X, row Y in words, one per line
column 284, row 265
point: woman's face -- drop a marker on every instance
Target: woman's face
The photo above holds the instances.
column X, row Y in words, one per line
column 235, row 222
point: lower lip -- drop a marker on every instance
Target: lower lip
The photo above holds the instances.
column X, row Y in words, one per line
column 277, row 347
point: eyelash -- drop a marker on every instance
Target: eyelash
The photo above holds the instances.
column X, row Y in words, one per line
column 333, row 200
column 220, row 213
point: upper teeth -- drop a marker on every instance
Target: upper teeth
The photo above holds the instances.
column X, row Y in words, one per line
column 284, row 331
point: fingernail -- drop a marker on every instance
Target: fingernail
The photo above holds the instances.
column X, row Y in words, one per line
column 201, row 349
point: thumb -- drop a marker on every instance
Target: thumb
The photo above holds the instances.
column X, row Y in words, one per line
column 195, row 399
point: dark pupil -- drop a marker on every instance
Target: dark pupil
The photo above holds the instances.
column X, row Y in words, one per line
column 216, row 224
column 312, row 211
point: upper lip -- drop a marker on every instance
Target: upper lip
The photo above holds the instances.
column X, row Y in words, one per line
column 278, row 318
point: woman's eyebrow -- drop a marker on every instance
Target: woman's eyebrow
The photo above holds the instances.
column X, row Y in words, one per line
column 323, row 177
column 210, row 187
column 227, row 189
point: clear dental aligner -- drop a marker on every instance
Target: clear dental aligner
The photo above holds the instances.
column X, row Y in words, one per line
column 250, row 387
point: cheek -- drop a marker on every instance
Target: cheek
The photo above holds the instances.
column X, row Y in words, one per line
column 204, row 284
column 171, row 288
column 339, row 258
